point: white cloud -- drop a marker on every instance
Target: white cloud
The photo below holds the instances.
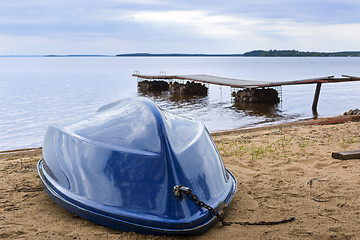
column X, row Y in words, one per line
column 191, row 22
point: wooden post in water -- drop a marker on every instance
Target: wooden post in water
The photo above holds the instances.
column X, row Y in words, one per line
column 316, row 99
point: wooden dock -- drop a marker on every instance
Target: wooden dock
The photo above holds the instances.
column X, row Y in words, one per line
column 241, row 83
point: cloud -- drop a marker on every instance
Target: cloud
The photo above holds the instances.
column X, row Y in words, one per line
column 177, row 26
column 207, row 24
column 187, row 22
column 330, row 11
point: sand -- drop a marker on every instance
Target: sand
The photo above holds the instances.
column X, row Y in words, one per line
column 282, row 171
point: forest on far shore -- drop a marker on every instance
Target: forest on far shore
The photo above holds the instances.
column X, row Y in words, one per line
column 295, row 53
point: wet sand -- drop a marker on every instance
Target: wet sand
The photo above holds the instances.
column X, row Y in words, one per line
column 282, row 171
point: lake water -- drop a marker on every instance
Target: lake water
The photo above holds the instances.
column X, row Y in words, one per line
column 38, row 91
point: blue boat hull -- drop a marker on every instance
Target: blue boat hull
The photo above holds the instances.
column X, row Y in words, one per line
column 117, row 222
column 119, row 169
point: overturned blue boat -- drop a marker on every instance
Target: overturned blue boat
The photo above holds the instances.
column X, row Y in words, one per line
column 119, row 168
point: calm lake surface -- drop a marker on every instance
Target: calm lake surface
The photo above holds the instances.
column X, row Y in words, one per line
column 38, row 91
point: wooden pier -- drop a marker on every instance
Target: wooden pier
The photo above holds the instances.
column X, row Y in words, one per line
column 241, row 83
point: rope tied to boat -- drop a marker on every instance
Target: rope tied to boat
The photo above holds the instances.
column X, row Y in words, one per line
column 181, row 189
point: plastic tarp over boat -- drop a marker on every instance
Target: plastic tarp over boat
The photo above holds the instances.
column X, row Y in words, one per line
column 119, row 168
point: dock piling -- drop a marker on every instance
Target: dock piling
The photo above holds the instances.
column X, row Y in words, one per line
column 316, row 98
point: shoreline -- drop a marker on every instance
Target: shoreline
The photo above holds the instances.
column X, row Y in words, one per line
column 319, row 121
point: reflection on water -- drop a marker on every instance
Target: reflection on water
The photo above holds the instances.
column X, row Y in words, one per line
column 180, row 101
column 167, row 96
column 270, row 110
column 220, row 115
column 251, row 114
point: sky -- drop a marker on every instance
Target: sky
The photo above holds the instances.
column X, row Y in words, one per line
column 32, row 27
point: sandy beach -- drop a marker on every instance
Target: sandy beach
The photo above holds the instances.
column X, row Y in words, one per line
column 282, row 171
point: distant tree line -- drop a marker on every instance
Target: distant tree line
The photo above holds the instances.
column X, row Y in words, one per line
column 295, row 53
